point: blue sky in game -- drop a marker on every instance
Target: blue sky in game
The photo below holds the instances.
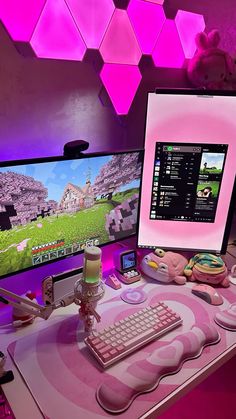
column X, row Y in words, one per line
column 56, row 175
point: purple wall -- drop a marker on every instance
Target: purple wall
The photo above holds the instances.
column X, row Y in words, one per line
column 45, row 103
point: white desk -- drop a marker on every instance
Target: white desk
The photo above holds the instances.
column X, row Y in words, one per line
column 23, row 404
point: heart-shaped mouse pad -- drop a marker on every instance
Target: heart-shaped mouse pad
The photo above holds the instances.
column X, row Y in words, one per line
column 133, row 296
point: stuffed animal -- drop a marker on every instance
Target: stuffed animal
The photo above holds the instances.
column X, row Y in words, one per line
column 164, row 266
column 207, row 268
column 210, row 67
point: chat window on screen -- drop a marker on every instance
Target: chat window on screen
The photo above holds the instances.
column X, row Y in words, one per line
column 186, row 181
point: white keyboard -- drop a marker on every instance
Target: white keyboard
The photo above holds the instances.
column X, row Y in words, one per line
column 124, row 337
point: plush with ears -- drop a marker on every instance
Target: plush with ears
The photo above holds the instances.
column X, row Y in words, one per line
column 210, row 66
column 207, row 268
column 164, row 266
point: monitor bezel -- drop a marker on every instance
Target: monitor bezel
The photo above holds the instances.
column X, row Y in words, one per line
column 198, row 92
column 21, row 162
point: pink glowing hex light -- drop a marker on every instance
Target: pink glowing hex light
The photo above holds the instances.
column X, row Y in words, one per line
column 168, row 51
column 147, row 20
column 188, row 25
column 56, row 34
column 155, row 1
column 20, row 17
column 121, row 82
column 120, row 45
column 92, row 18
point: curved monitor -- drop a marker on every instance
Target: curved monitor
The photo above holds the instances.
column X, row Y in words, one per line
column 53, row 208
column 189, row 170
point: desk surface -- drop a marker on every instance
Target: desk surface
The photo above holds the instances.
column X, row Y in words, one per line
column 180, row 298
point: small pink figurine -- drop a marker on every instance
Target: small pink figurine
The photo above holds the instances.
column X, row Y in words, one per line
column 164, row 266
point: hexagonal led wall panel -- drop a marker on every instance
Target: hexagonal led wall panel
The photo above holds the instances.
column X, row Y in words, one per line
column 121, row 82
column 120, row 45
column 66, row 29
column 20, row 17
column 56, row 34
column 155, row 1
column 147, row 20
column 168, row 51
column 92, row 18
column 188, row 25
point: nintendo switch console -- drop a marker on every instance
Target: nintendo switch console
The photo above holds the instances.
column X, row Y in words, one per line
column 57, row 286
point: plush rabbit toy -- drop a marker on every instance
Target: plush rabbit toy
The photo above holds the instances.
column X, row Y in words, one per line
column 211, row 66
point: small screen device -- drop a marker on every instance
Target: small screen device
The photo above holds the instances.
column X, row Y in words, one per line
column 125, row 262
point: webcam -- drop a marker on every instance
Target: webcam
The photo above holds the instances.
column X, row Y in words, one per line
column 75, row 148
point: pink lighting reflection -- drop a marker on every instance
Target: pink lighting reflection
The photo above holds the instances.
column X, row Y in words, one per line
column 188, row 25
column 92, row 18
column 168, row 51
column 147, row 20
column 155, row 1
column 20, row 17
column 56, row 35
column 121, row 83
column 120, row 45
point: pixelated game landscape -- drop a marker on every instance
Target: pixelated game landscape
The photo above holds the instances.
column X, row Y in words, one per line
column 44, row 217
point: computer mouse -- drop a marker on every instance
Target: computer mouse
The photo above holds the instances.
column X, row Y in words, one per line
column 208, row 293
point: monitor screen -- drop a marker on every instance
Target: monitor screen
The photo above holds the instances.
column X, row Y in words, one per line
column 53, row 208
column 189, row 170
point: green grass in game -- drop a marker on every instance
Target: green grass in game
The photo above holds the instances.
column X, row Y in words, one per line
column 71, row 227
column 210, row 171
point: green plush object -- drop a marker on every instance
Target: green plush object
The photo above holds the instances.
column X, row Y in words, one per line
column 207, row 268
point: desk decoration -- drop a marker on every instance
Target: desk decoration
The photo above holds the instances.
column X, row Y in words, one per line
column 133, row 296
column 165, row 266
column 227, row 318
column 5, row 376
column 208, row 268
column 144, row 375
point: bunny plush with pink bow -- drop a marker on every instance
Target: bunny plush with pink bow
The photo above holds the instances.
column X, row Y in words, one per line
column 210, row 67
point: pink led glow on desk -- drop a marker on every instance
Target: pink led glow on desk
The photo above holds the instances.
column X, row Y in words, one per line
column 120, row 45
column 20, row 19
column 50, row 41
column 188, row 25
column 147, row 20
column 121, row 82
column 92, row 18
column 168, row 51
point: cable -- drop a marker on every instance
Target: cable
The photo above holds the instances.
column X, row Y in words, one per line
column 19, row 323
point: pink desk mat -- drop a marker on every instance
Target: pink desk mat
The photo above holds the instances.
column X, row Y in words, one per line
column 63, row 376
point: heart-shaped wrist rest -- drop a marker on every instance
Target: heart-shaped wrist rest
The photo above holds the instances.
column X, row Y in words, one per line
column 144, row 375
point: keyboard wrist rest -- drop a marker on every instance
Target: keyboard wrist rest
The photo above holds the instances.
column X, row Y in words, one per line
column 144, row 375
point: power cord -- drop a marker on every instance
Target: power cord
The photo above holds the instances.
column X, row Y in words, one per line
column 19, row 323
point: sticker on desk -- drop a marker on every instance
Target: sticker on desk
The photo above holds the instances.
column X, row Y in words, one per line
column 133, row 296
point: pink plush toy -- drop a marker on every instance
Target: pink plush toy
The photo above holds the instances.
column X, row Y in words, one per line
column 207, row 268
column 164, row 266
column 211, row 66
